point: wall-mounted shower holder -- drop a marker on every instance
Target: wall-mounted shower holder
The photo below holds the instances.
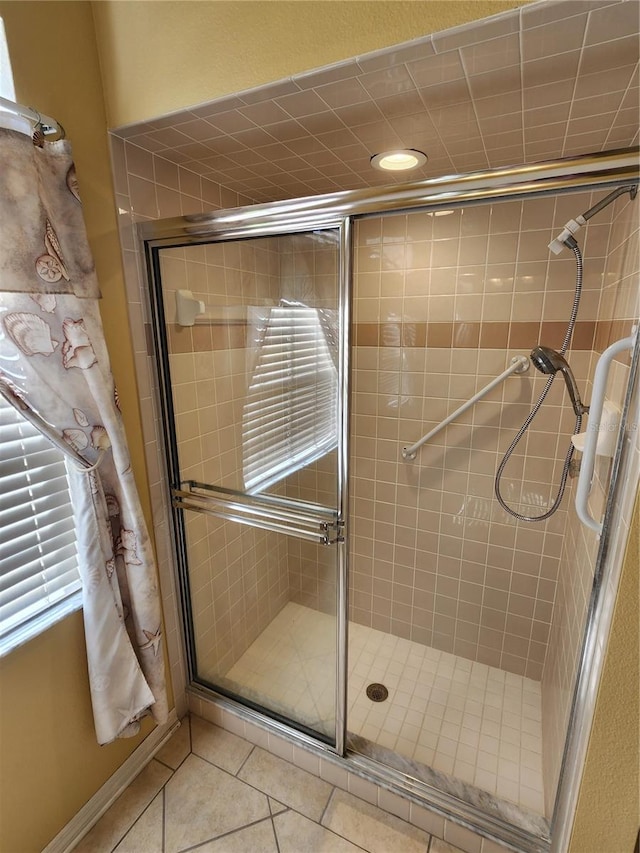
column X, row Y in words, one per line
column 607, row 432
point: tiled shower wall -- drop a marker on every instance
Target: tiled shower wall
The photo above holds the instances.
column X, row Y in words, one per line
column 149, row 187
column 619, row 310
column 442, row 303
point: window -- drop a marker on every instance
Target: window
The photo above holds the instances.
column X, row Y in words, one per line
column 39, row 581
column 289, row 418
column 7, row 89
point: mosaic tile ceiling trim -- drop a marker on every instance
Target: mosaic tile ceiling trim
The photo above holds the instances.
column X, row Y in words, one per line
column 551, row 79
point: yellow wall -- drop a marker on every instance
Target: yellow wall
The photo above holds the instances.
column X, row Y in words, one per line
column 51, row 764
column 608, row 809
column 162, row 56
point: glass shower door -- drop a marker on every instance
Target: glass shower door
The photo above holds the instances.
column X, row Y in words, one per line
column 251, row 333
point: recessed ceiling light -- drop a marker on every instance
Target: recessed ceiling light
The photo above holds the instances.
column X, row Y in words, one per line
column 398, row 161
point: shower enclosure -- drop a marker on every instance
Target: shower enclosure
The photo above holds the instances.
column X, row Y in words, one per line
column 300, row 346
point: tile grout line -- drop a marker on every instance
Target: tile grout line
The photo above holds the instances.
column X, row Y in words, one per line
column 164, row 798
column 224, row 835
column 135, row 821
column 249, row 754
column 164, row 819
column 187, row 719
column 326, row 807
column 275, row 834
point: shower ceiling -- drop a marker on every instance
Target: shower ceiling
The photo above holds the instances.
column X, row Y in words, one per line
column 551, row 79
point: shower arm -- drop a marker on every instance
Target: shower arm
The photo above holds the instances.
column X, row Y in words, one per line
column 573, row 225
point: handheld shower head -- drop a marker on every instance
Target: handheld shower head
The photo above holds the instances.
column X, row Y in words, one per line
column 548, row 361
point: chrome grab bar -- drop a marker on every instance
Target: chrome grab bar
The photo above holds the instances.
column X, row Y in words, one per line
column 265, row 512
column 519, row 364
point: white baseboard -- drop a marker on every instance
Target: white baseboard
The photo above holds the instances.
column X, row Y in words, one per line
column 93, row 810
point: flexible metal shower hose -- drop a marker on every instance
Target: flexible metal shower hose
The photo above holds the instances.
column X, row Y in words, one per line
column 525, row 426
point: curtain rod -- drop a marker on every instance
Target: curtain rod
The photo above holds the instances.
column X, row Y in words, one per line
column 49, row 126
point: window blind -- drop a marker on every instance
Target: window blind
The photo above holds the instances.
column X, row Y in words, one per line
column 289, row 417
column 38, row 560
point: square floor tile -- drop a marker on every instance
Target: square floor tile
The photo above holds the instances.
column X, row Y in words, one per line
column 371, row 828
column 285, row 782
column 203, row 802
column 218, row 746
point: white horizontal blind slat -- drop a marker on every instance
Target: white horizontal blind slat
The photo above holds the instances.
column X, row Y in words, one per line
column 36, row 548
column 24, row 583
column 38, row 557
column 290, row 416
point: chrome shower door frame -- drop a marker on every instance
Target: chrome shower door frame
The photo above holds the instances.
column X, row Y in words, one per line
column 269, row 513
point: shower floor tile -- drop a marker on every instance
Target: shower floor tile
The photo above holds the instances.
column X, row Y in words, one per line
column 471, row 721
column 290, row 668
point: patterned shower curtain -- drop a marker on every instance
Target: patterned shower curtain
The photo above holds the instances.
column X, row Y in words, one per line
column 54, row 368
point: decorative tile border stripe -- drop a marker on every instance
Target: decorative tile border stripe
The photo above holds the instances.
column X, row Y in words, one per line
column 214, row 336
column 610, row 331
column 587, row 335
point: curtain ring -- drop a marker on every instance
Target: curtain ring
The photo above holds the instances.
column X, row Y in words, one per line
column 37, row 135
column 89, row 468
column 45, row 126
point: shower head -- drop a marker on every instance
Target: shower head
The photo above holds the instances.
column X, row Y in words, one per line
column 549, row 362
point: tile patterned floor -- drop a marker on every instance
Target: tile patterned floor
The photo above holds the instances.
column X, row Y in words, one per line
column 214, row 792
column 472, row 721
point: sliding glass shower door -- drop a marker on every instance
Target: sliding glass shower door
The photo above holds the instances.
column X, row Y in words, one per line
column 250, row 335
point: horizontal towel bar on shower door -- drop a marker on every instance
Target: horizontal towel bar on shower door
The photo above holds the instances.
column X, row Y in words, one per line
column 269, row 501
column 321, row 530
column 519, row 364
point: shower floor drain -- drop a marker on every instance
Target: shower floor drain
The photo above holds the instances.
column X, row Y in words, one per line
column 377, row 692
